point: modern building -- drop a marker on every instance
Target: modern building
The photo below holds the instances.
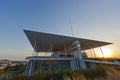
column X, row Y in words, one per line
column 60, row 52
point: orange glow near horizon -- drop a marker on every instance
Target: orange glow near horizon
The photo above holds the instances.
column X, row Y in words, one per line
column 106, row 53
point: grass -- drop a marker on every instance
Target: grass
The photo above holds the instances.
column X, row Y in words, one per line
column 1, row 71
column 100, row 73
column 112, row 74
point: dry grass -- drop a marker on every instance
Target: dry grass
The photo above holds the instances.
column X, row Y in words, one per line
column 75, row 78
column 113, row 74
column 100, row 73
column 1, row 71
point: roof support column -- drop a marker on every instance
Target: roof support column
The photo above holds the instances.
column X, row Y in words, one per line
column 94, row 52
column 102, row 52
column 65, row 50
column 34, row 49
column 91, row 53
column 30, row 69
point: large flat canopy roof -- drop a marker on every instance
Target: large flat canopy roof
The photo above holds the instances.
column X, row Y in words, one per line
column 41, row 42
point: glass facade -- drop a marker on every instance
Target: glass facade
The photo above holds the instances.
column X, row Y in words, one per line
column 45, row 65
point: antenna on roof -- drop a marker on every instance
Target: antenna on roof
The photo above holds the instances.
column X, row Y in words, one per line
column 71, row 27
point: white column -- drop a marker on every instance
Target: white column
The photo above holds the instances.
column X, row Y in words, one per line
column 30, row 69
column 72, row 62
column 78, row 56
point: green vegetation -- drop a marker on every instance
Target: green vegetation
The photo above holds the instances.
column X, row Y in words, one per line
column 64, row 75
column 18, row 68
column 11, row 71
column 100, row 73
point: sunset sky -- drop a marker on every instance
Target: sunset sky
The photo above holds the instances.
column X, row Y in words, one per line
column 91, row 19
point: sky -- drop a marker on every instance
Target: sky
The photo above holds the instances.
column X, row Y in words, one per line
column 91, row 19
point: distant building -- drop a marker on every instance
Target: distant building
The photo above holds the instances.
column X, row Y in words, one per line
column 60, row 52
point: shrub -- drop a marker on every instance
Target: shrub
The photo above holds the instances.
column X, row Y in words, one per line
column 89, row 74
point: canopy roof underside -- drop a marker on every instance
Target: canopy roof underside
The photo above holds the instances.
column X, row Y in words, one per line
column 41, row 42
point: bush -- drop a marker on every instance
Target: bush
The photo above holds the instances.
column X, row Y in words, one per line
column 90, row 74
